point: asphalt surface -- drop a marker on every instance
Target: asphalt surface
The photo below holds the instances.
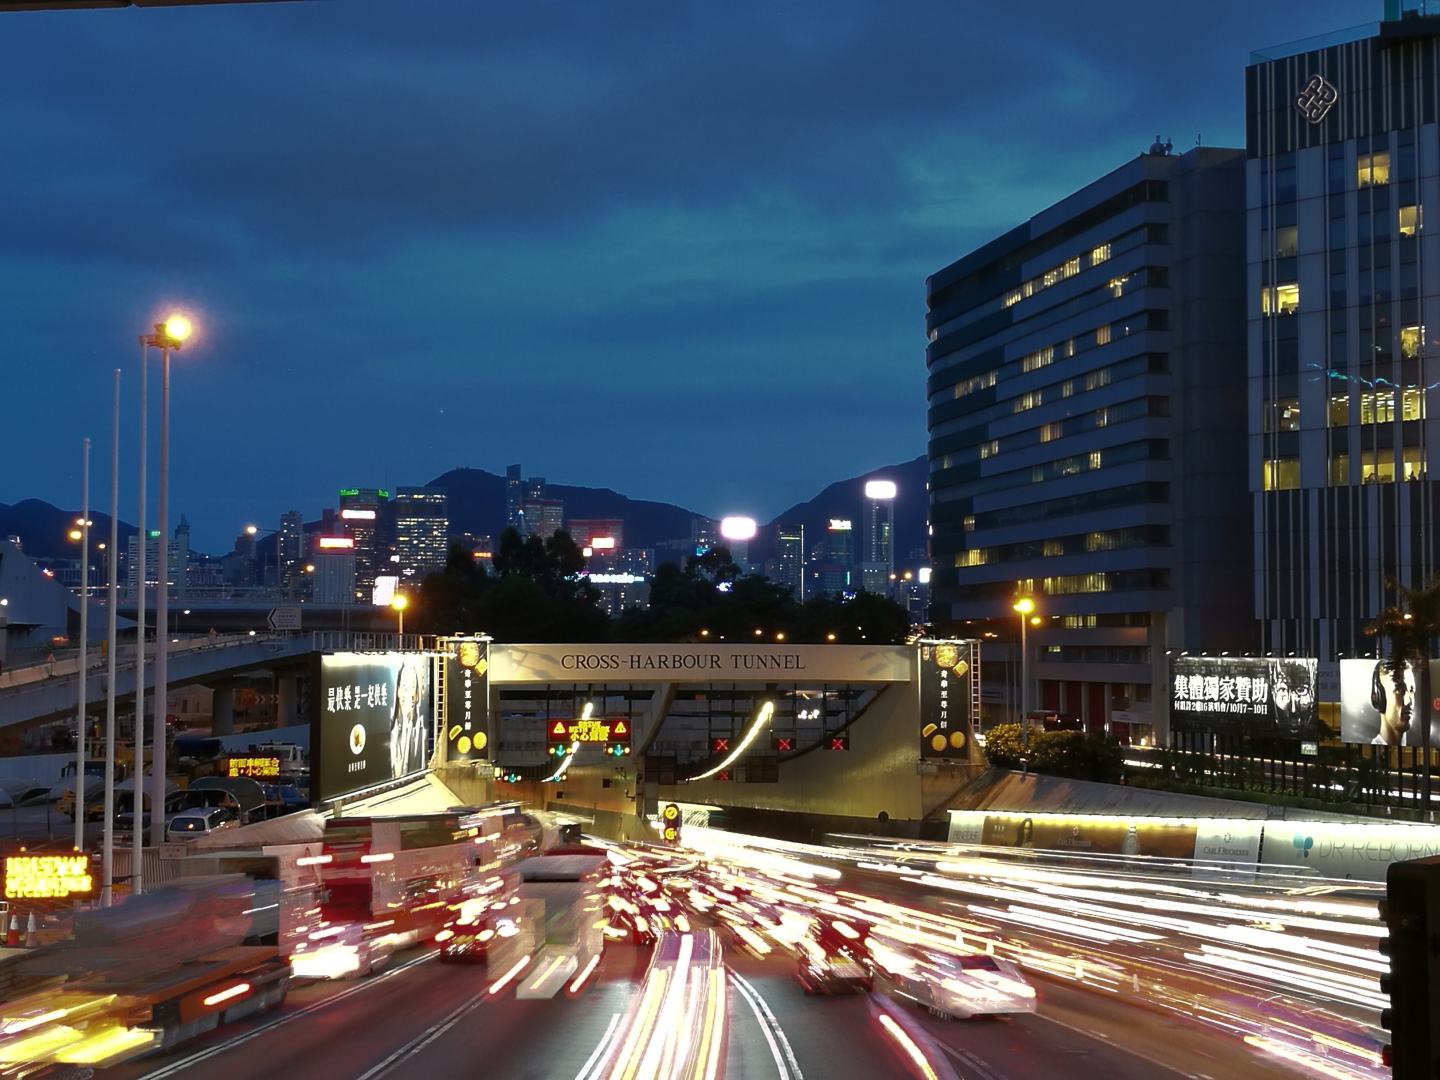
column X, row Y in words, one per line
column 422, row 1018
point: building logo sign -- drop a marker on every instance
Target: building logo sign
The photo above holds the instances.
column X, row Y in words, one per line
column 1316, row 98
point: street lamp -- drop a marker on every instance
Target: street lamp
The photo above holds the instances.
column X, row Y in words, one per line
column 168, row 337
column 1025, row 608
column 400, row 602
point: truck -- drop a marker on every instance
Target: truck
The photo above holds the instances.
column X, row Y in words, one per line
column 128, row 983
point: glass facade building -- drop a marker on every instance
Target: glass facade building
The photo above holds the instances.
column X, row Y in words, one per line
column 1342, row 163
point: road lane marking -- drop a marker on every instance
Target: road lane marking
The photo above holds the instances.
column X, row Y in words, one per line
column 601, row 1049
column 256, row 1032
column 967, row 1058
column 786, row 1066
column 425, row 1038
column 1115, row 1045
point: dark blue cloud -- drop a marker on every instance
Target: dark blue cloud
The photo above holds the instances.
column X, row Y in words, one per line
column 660, row 246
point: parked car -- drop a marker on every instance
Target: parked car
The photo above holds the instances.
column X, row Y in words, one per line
column 189, row 824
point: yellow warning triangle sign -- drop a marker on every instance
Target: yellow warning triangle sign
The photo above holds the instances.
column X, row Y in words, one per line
column 559, row 728
column 620, row 728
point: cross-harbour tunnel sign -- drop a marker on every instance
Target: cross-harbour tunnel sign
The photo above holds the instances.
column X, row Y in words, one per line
column 701, row 663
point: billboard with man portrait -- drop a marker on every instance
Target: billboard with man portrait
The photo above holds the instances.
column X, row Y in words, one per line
column 1379, row 703
column 373, row 723
column 1265, row 695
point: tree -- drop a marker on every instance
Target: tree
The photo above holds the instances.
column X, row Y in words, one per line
column 1410, row 625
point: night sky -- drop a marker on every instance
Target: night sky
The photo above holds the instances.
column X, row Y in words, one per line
column 676, row 249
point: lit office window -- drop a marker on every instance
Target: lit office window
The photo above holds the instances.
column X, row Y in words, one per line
column 1037, row 474
column 1338, row 413
column 1052, row 431
column 1102, row 417
column 1117, row 286
column 1282, row 474
column 1068, row 349
column 1283, row 414
column 1067, row 388
column 1031, row 400
column 1372, row 169
column 1097, row 379
column 1377, row 467
column 1287, row 242
column 1053, row 548
column 1412, row 220
column 976, row 557
column 989, row 449
column 1099, row 254
column 1412, row 403
column 1280, row 299
column 1079, row 622
column 969, row 524
column 1075, row 583
column 1072, row 266
column 1012, row 298
column 1102, row 335
column 1340, row 470
column 1412, row 463
column 1412, row 339
column 1094, row 459
column 1037, row 359
column 1377, row 406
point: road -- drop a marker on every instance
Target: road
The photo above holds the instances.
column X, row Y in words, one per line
column 425, row 1019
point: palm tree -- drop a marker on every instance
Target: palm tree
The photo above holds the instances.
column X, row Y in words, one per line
column 1410, row 624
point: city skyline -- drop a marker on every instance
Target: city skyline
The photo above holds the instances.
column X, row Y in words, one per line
column 749, row 290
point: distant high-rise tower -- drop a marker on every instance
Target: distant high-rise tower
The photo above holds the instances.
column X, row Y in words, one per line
column 514, row 497
column 543, row 517
column 790, row 559
column 877, row 568
column 360, row 510
column 290, row 545
column 422, row 530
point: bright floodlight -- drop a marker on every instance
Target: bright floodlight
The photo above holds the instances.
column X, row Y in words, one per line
column 178, row 327
column 251, row 530
column 738, row 528
column 1025, row 605
column 879, row 489
column 399, row 602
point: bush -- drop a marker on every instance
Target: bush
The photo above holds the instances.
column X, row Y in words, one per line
column 1072, row 754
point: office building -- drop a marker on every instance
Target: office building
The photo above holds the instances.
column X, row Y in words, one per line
column 542, row 517
column 1087, row 434
column 1341, row 286
column 363, row 511
column 290, row 547
column 877, row 568
column 833, row 560
column 514, row 496
column 177, row 562
column 334, row 580
column 790, row 559
column 422, row 532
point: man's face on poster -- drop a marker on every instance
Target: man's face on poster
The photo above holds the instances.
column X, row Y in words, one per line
column 1399, row 702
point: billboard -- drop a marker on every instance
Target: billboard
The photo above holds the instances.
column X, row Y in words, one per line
column 467, row 698
column 947, row 669
column 1266, row 695
column 1378, row 705
column 374, row 717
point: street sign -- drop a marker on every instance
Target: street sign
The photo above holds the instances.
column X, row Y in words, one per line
column 284, row 618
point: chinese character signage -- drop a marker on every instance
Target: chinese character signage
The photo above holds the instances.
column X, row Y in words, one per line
column 467, row 726
column 375, row 712
column 1262, row 694
column 48, row 877
column 590, row 730
column 1380, row 704
column 258, row 768
column 946, row 671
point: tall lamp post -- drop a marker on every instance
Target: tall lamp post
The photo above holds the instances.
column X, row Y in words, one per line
column 400, row 602
column 107, row 843
column 84, row 538
column 1025, row 608
column 168, row 337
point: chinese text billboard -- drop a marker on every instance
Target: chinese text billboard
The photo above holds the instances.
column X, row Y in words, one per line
column 946, row 671
column 1264, row 694
column 467, row 720
column 1380, row 705
column 375, row 712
